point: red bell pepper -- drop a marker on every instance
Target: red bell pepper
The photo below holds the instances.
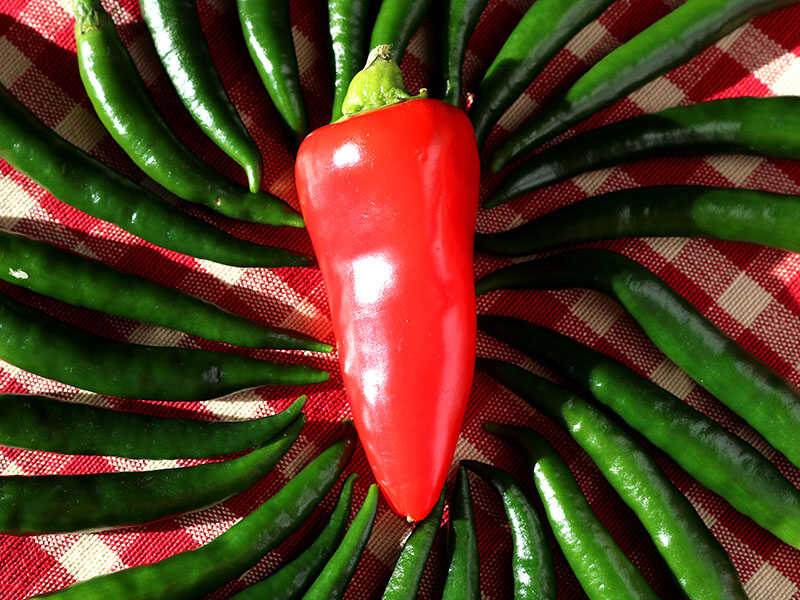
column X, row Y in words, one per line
column 390, row 198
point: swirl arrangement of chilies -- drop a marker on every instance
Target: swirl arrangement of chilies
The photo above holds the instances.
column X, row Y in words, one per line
column 715, row 457
column 178, row 38
column 389, row 190
column 122, row 103
column 197, row 572
column 55, row 164
column 667, row 43
column 743, row 383
column 677, row 531
column 760, row 126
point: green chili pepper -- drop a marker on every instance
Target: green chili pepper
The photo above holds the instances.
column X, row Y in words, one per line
column 765, row 126
column 463, row 574
column 743, row 383
column 543, row 30
column 41, row 423
column 716, row 458
column 461, row 18
column 84, row 282
column 602, row 569
column 268, row 35
column 332, row 581
column 128, row 113
column 291, row 580
column 63, row 503
column 36, row 342
column 189, row 575
column 532, row 564
column 55, row 164
column 407, row 573
column 672, row 40
column 183, row 50
column 396, row 22
column 348, row 29
column 685, row 211
column 693, row 554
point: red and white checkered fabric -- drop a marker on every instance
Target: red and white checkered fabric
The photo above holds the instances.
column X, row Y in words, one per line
column 752, row 293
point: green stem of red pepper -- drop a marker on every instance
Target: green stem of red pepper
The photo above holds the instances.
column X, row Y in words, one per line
column 378, row 85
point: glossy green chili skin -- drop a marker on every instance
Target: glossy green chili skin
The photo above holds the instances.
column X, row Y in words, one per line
column 695, row 557
column 708, row 452
column 602, row 569
column 189, row 575
column 743, row 383
column 332, row 581
column 181, row 45
column 84, row 183
column 543, row 30
column 766, row 126
column 461, row 18
column 42, row 423
column 348, row 21
column 732, row 214
column 128, row 113
column 531, row 564
column 36, row 342
column 83, row 282
column 463, row 574
column 268, row 35
column 407, row 574
column 396, row 22
column 69, row 503
column 291, row 580
column 672, row 40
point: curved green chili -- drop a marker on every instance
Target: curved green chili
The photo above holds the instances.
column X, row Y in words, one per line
column 63, row 503
column 672, row 40
column 84, row 183
column 410, row 565
column 602, row 569
column 292, row 579
column 743, row 383
column 693, row 554
column 463, row 574
column 83, row 282
column 181, row 45
column 396, row 22
column 332, row 581
column 41, row 423
column 767, row 126
column 348, row 29
column 268, row 35
column 36, row 342
column 708, row 452
column 686, row 211
column 531, row 564
column 189, row 575
column 543, row 30
column 128, row 113
column 461, row 18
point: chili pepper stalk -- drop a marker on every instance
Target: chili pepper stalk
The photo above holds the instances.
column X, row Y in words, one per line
column 379, row 84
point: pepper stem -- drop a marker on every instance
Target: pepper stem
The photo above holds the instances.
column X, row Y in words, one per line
column 378, row 84
column 89, row 15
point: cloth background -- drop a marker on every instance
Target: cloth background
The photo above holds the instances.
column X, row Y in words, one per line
column 750, row 292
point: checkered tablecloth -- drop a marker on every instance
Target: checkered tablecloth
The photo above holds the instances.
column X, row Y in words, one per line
column 750, row 292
